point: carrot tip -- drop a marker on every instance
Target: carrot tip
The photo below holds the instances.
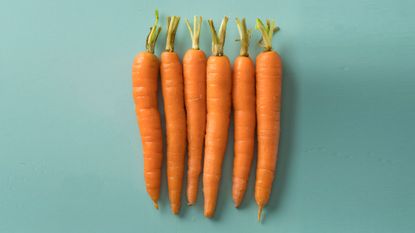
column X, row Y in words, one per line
column 156, row 205
column 175, row 208
column 175, row 212
column 259, row 213
column 237, row 200
column 208, row 213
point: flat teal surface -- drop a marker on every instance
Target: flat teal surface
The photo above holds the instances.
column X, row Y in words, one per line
column 70, row 151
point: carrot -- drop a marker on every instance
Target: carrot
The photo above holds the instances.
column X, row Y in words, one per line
column 144, row 76
column 243, row 97
column 194, row 72
column 218, row 94
column 172, row 89
column 268, row 86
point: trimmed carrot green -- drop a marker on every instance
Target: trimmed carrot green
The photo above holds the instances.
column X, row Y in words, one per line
column 172, row 89
column 145, row 70
column 219, row 87
column 268, row 86
column 243, row 98
column 194, row 72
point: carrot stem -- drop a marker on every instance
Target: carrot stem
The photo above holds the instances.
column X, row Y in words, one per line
column 218, row 40
column 172, row 24
column 244, row 35
column 267, row 32
column 153, row 34
column 195, row 33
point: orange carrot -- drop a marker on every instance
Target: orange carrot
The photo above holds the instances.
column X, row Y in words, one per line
column 268, row 86
column 172, row 88
column 218, row 94
column 243, row 97
column 145, row 71
column 194, row 71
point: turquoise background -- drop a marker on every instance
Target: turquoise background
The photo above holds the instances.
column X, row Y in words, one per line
column 70, row 152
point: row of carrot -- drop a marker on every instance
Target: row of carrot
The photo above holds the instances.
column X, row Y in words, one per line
column 198, row 97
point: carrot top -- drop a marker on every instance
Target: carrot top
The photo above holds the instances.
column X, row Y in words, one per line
column 195, row 33
column 245, row 35
column 267, row 32
column 153, row 34
column 218, row 41
column 172, row 23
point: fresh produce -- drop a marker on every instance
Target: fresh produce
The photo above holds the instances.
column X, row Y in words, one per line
column 172, row 89
column 145, row 70
column 244, row 112
column 198, row 98
column 219, row 87
column 194, row 71
column 268, row 102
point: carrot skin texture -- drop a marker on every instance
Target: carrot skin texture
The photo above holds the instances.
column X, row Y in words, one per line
column 268, row 86
column 219, row 87
column 145, row 70
column 172, row 88
column 194, row 71
column 243, row 98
